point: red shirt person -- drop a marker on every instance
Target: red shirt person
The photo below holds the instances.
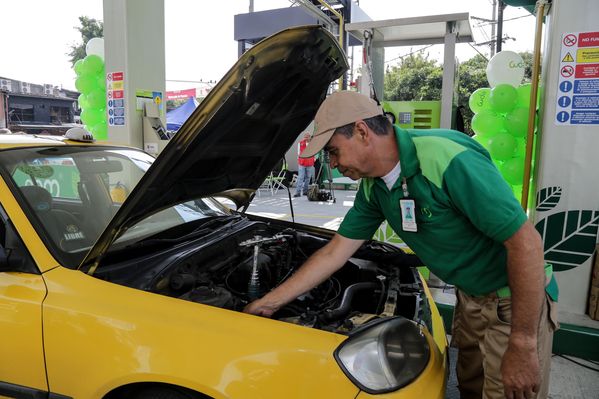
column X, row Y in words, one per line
column 305, row 168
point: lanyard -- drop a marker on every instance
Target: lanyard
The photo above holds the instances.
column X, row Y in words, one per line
column 404, row 187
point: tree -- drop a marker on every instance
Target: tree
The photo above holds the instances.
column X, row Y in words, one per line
column 89, row 29
column 415, row 78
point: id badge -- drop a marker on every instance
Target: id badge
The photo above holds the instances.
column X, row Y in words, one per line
column 408, row 215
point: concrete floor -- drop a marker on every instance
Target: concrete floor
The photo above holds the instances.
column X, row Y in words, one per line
column 568, row 379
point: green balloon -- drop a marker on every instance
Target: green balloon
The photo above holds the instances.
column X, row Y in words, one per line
column 503, row 98
column 520, row 146
column 85, row 84
column 100, row 131
column 479, row 100
column 502, row 146
column 77, row 67
column 487, row 123
column 92, row 117
column 482, row 140
column 101, row 81
column 82, row 101
column 92, row 64
column 97, row 98
column 523, row 95
column 513, row 170
column 516, row 122
column 517, row 189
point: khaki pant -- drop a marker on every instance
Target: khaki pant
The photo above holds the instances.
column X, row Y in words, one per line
column 480, row 331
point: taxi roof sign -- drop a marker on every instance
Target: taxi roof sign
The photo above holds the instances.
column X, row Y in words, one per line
column 79, row 134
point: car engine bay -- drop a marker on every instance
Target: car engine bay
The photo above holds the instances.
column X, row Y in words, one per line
column 229, row 270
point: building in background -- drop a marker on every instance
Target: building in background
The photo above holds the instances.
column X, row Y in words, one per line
column 35, row 108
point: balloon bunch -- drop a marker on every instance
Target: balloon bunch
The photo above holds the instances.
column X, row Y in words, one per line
column 91, row 83
column 501, row 116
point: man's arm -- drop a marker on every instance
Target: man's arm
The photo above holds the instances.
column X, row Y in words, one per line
column 324, row 262
column 525, row 265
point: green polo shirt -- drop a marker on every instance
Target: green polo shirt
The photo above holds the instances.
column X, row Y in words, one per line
column 464, row 208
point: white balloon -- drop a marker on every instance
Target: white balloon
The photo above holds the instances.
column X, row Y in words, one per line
column 505, row 67
column 95, row 46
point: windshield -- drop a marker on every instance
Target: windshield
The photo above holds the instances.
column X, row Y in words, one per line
column 70, row 194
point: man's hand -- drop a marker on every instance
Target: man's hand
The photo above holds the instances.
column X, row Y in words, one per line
column 520, row 365
column 520, row 370
column 314, row 271
column 261, row 307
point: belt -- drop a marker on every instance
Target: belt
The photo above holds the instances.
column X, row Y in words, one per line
column 506, row 293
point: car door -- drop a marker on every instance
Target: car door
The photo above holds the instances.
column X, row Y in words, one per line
column 22, row 290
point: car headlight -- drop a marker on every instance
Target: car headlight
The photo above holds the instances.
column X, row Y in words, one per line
column 384, row 356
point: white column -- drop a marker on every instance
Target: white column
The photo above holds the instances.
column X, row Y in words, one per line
column 134, row 45
column 448, row 89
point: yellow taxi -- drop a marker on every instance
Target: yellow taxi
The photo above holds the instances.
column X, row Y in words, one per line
column 122, row 277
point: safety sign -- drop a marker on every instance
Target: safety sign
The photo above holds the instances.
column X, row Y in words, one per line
column 577, row 99
column 115, row 98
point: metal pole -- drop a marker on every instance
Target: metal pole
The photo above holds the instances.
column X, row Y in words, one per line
column 500, row 6
column 493, row 27
column 251, row 5
column 341, row 29
column 532, row 103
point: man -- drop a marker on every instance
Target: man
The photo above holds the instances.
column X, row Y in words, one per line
column 444, row 197
column 305, row 168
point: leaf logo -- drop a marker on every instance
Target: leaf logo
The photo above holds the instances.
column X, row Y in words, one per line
column 569, row 238
column 548, row 198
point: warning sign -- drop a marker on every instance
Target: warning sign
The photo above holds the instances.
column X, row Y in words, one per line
column 569, row 40
column 587, row 55
column 567, row 71
column 587, row 71
column 589, row 39
column 577, row 99
column 115, row 94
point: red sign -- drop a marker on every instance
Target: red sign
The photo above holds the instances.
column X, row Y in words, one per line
column 177, row 94
column 567, row 71
column 587, row 71
column 569, row 40
column 117, row 76
column 588, row 39
column 117, row 93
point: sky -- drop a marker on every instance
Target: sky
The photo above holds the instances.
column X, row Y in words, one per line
column 37, row 35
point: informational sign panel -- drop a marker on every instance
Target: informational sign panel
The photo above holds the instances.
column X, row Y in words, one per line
column 115, row 98
column 578, row 85
column 148, row 96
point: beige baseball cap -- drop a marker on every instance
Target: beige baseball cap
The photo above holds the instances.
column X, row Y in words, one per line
column 339, row 109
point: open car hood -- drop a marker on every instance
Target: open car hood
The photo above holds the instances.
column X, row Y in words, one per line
column 240, row 131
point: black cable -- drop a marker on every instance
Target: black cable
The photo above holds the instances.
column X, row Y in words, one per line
column 578, row 363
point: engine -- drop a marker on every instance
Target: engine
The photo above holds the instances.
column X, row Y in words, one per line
column 375, row 283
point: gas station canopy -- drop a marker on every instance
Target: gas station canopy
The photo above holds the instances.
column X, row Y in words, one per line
column 448, row 29
column 430, row 29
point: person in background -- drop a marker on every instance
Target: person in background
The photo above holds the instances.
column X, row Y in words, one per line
column 305, row 168
column 441, row 193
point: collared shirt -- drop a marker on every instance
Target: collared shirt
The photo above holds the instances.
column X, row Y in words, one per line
column 465, row 210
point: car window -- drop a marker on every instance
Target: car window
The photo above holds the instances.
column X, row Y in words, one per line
column 71, row 193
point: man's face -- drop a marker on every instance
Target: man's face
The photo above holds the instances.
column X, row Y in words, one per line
column 348, row 155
